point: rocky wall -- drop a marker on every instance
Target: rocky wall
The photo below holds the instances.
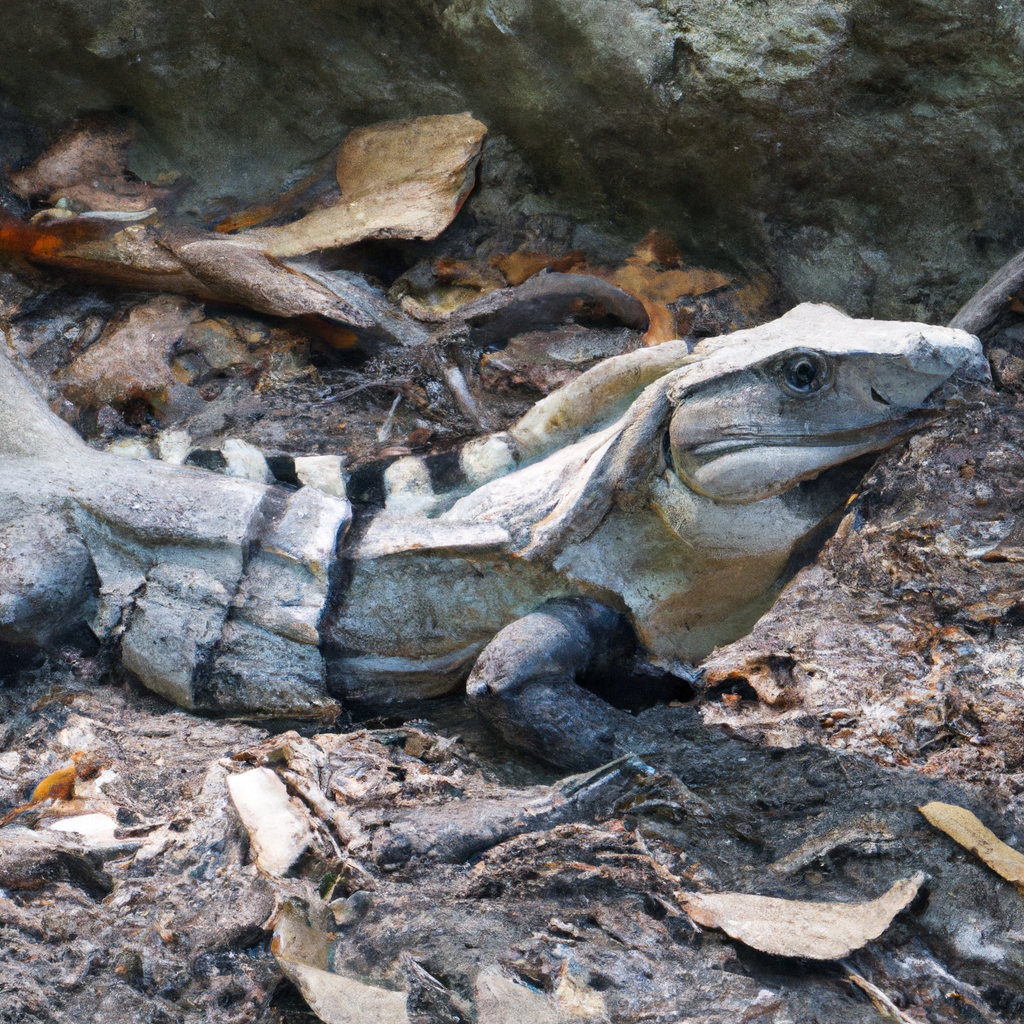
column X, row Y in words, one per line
column 867, row 152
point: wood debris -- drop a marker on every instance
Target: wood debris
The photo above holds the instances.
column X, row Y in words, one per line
column 882, row 1003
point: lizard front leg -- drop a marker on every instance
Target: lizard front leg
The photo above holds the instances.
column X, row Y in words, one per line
column 526, row 682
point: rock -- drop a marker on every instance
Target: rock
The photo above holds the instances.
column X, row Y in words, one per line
column 131, row 358
column 1007, row 369
column 866, row 152
column 173, row 446
column 218, row 344
column 279, row 832
column 30, row 859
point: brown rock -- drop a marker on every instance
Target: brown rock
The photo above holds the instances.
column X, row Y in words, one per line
column 217, row 343
column 1007, row 369
column 131, row 358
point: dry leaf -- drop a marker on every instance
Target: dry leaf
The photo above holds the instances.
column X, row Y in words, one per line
column 657, row 247
column 88, row 167
column 819, row 931
column 968, row 831
column 302, row 952
column 522, row 265
column 253, row 279
column 404, row 179
column 653, row 275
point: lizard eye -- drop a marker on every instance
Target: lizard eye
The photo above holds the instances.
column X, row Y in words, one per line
column 803, row 373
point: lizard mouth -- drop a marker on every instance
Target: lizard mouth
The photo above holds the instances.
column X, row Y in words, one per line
column 857, row 439
column 750, row 465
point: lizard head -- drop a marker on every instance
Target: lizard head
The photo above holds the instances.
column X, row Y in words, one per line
column 767, row 408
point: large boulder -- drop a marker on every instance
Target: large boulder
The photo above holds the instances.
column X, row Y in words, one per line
column 867, row 151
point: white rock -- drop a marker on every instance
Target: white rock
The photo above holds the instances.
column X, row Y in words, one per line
column 278, row 830
column 10, row 764
column 91, row 827
column 79, row 733
column 246, row 461
column 155, row 844
column 93, row 789
column 322, row 472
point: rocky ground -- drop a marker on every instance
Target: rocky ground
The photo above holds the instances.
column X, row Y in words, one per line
column 416, row 869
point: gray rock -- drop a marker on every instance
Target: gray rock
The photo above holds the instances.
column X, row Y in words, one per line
column 46, row 579
column 868, row 151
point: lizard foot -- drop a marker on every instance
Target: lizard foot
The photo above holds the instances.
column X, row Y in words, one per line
column 525, row 683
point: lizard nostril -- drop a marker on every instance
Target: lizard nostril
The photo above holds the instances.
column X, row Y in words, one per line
column 878, row 398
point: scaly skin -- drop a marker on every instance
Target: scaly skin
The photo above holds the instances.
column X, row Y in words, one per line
column 664, row 489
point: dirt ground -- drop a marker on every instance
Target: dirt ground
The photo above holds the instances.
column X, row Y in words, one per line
column 442, row 877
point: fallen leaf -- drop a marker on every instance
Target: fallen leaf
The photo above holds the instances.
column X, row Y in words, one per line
column 959, row 824
column 403, row 179
column 336, row 999
column 818, row 931
column 87, row 167
column 499, row 1000
column 303, row 954
column 519, row 266
column 653, row 274
column 657, row 247
column 58, row 785
column 657, row 288
column 45, row 240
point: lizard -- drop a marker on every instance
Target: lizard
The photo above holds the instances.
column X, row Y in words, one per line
column 630, row 522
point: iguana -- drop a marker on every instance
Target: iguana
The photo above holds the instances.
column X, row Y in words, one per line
column 640, row 516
